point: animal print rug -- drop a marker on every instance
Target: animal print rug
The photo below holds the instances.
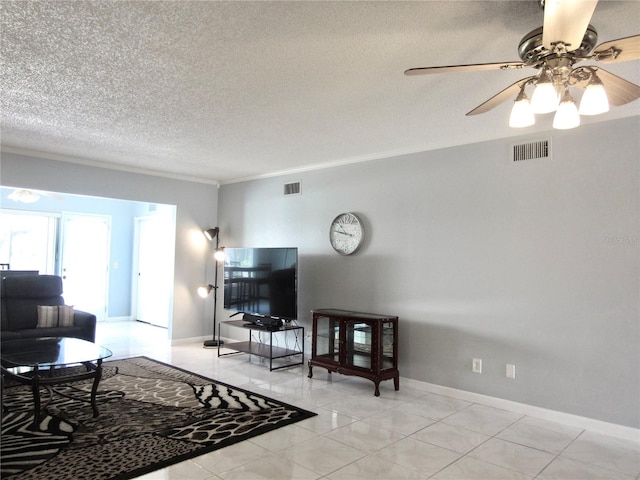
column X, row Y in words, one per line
column 152, row 415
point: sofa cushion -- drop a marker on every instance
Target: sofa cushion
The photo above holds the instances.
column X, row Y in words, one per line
column 65, row 316
column 8, row 335
column 32, row 286
column 76, row 332
column 47, row 316
column 55, row 316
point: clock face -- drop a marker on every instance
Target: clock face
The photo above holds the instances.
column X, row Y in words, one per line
column 346, row 233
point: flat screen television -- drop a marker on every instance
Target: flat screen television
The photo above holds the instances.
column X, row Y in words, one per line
column 262, row 281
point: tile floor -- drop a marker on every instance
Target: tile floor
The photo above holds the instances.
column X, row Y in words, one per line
column 409, row 434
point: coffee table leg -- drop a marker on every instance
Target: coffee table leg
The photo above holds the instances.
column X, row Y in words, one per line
column 35, row 389
column 94, row 388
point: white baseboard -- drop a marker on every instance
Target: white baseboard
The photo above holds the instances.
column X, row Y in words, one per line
column 598, row 426
column 183, row 341
column 119, row 319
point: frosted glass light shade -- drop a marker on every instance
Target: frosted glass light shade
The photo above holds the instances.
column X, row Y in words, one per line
column 203, row 292
column 24, row 196
column 594, row 101
column 521, row 113
column 544, row 98
column 219, row 254
column 567, row 115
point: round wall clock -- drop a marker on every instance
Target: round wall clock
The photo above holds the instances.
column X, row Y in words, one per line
column 346, row 233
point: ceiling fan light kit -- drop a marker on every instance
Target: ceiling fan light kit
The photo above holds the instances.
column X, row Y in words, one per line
column 522, row 112
column 545, row 97
column 594, row 99
column 565, row 39
column 567, row 115
column 24, row 196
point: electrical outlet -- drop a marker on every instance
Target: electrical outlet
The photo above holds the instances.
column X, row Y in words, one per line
column 511, row 371
column 476, row 365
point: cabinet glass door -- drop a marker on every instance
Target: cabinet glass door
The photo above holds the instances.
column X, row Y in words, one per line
column 387, row 353
column 358, row 344
column 328, row 339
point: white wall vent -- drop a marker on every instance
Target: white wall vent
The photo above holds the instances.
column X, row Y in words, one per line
column 531, row 150
column 292, row 188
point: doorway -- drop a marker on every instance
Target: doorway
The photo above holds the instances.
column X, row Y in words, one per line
column 154, row 240
column 85, row 262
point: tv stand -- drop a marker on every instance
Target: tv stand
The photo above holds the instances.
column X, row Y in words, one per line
column 291, row 335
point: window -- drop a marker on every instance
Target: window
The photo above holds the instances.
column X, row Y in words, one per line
column 28, row 240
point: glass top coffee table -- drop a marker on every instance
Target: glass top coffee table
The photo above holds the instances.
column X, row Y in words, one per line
column 39, row 362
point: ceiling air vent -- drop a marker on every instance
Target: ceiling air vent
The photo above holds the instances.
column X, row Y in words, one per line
column 531, row 150
column 292, row 188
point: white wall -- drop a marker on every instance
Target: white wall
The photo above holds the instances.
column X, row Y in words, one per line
column 196, row 209
column 534, row 263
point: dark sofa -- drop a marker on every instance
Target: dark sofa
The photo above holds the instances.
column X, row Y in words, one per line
column 20, row 296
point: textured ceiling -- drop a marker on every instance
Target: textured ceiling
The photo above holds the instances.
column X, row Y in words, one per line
column 220, row 91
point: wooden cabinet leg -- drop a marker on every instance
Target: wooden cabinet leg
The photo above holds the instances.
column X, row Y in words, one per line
column 396, row 382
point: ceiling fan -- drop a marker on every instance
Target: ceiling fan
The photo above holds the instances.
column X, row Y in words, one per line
column 565, row 39
column 23, row 195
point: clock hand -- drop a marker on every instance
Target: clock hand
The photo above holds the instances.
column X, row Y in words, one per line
column 344, row 233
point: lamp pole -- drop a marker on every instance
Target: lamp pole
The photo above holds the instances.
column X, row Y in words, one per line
column 211, row 234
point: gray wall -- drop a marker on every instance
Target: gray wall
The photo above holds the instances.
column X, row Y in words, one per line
column 534, row 263
column 196, row 209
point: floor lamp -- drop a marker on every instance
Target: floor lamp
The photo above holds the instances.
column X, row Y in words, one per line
column 218, row 255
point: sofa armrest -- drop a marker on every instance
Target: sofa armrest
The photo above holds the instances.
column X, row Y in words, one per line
column 87, row 321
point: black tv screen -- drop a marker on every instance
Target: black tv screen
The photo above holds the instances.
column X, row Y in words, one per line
column 262, row 281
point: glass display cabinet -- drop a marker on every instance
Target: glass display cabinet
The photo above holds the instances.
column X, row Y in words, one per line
column 355, row 343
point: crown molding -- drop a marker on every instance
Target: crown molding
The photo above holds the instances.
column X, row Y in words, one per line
column 103, row 164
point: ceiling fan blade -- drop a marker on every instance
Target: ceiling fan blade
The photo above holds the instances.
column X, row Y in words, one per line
column 478, row 67
column 566, row 21
column 619, row 91
column 619, row 50
column 510, row 92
